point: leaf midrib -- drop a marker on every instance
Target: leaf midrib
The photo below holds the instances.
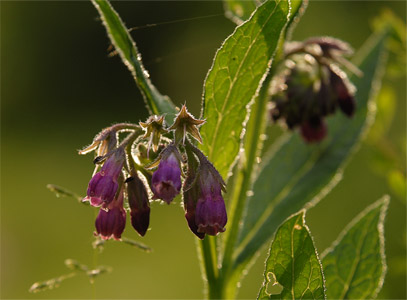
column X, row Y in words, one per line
column 355, row 264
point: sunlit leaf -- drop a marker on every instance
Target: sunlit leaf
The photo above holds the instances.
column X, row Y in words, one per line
column 355, row 265
column 293, row 263
column 237, row 72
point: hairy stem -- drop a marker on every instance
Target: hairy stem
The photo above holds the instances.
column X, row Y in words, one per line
column 243, row 180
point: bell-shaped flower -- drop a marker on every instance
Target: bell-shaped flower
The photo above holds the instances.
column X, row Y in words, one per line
column 111, row 222
column 103, row 186
column 166, row 180
column 139, row 204
column 210, row 213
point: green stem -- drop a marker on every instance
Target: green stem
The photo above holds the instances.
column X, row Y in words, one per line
column 243, row 180
column 209, row 265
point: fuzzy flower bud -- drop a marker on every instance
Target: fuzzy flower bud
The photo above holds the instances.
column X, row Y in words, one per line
column 166, row 180
column 313, row 130
column 111, row 223
column 139, row 204
column 103, row 186
column 343, row 91
column 191, row 195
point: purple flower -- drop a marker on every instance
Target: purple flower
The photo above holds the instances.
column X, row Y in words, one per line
column 210, row 212
column 103, row 186
column 139, row 204
column 111, row 223
column 166, row 181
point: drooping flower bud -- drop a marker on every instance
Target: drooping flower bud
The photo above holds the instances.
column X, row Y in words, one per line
column 111, row 223
column 210, row 213
column 191, row 195
column 186, row 123
column 203, row 197
column 166, row 180
column 330, row 46
column 139, row 204
column 310, row 86
column 343, row 91
column 313, row 130
column 103, row 186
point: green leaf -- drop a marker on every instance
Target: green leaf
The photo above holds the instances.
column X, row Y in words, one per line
column 355, row 264
column 238, row 70
column 295, row 174
column 293, row 263
column 123, row 42
column 239, row 10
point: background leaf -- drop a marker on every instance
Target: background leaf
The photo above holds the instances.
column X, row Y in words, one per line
column 293, row 263
column 237, row 72
column 295, row 173
column 355, row 264
column 126, row 47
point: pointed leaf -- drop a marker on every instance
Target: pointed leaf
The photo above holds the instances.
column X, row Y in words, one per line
column 295, row 174
column 355, row 264
column 123, row 42
column 293, row 263
column 237, row 72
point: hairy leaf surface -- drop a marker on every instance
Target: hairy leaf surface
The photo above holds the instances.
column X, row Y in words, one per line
column 237, row 72
column 295, row 173
column 355, row 265
column 293, row 263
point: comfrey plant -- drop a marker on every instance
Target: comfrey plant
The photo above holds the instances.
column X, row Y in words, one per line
column 258, row 78
column 122, row 176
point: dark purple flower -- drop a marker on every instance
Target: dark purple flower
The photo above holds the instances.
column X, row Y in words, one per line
column 314, row 130
column 191, row 195
column 103, row 186
column 139, row 204
column 210, row 213
column 166, row 181
column 345, row 98
column 111, row 223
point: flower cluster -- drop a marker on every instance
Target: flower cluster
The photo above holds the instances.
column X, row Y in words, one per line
column 123, row 176
column 311, row 85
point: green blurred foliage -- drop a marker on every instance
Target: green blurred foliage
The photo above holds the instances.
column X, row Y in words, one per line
column 59, row 87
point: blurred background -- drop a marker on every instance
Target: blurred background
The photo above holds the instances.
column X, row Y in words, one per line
column 59, row 88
